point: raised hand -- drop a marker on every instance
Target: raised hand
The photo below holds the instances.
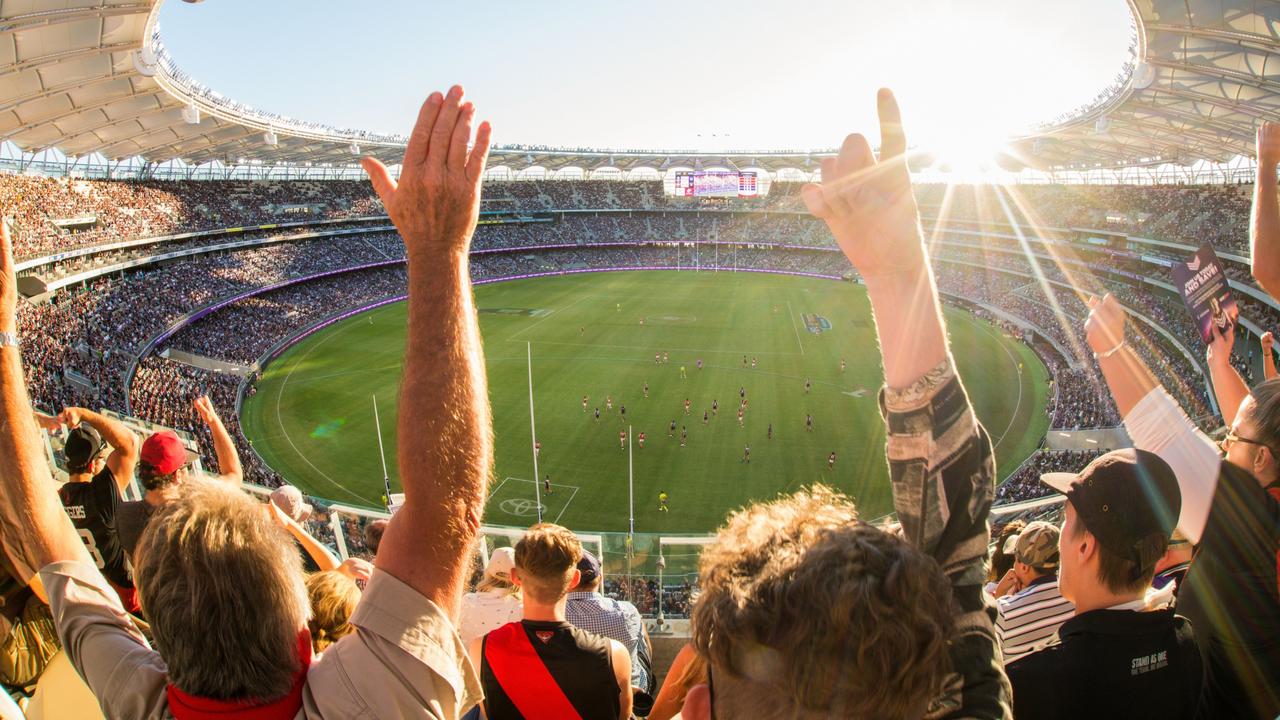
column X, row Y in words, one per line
column 1104, row 330
column 1268, row 341
column 48, row 423
column 867, row 202
column 356, row 569
column 436, row 203
column 1269, row 143
column 1220, row 346
column 204, row 408
column 71, row 417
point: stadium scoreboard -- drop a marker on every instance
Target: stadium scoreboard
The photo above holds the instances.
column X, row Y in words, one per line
column 715, row 183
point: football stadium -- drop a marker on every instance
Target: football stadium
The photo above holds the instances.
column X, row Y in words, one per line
column 304, row 420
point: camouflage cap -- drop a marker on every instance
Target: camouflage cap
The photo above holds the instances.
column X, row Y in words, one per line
column 1038, row 546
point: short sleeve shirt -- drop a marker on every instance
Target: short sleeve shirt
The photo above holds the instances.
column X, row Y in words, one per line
column 92, row 507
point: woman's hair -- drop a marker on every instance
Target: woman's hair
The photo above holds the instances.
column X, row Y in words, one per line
column 333, row 597
column 501, row 583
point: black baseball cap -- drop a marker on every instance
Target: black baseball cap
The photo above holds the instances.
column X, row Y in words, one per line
column 83, row 445
column 1124, row 498
column 589, row 567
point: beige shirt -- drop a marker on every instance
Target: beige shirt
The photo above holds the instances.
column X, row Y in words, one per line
column 405, row 659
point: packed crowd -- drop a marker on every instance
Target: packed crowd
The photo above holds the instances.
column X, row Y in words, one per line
column 803, row 609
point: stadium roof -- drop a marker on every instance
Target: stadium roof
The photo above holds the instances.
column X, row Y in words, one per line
column 91, row 76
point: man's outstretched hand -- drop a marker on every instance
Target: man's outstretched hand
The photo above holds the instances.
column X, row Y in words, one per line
column 1104, row 330
column 867, row 202
column 436, row 203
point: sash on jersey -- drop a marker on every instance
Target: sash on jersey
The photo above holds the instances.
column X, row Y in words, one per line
column 524, row 677
column 190, row 707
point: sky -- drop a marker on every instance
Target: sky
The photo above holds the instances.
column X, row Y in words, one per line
column 695, row 74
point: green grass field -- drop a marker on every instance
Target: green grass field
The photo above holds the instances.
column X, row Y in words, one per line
column 312, row 418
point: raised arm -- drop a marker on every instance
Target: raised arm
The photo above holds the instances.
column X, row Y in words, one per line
column 1268, row 359
column 33, row 526
column 445, row 446
column 124, row 444
column 1228, row 387
column 229, row 468
column 940, row 459
column 1265, row 231
column 1152, row 417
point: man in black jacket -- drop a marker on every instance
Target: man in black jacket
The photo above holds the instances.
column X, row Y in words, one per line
column 1125, row 653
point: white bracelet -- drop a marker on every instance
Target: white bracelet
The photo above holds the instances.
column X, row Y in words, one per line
column 1109, row 353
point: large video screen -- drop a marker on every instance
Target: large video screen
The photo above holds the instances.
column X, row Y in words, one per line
column 715, row 183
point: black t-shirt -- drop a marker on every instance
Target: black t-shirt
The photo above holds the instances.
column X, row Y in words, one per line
column 576, row 666
column 1112, row 664
column 92, row 508
column 131, row 520
column 1231, row 595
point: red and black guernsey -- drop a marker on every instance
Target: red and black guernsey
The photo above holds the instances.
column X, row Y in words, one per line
column 545, row 670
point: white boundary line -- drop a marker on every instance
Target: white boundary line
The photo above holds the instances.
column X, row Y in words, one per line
column 791, row 311
column 280, row 416
column 675, row 349
column 1018, row 406
column 572, row 495
column 545, row 318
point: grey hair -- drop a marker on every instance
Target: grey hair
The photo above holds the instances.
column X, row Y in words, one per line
column 222, row 586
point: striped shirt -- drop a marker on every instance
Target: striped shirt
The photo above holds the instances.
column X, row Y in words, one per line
column 1028, row 620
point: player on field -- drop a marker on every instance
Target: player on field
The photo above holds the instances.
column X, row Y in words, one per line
column 841, row 364
column 546, row 486
column 686, row 406
column 682, row 373
column 672, row 431
column 666, row 357
column 537, row 448
column 608, row 403
column 640, row 439
column 662, row 501
column 705, row 417
column 584, row 403
column 831, row 460
column 684, row 436
column 742, row 392
column 657, row 358
column 699, row 363
column 622, row 439
column 753, row 362
column 646, row 390
column 622, row 410
column 770, row 432
column 619, row 307
column 808, row 423
column 807, row 385
column 740, row 424
column 597, row 414
column 746, row 455
column 744, row 362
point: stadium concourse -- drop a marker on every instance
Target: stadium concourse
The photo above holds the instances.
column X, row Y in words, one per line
column 152, row 289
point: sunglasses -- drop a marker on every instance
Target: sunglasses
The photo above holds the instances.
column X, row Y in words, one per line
column 1231, row 438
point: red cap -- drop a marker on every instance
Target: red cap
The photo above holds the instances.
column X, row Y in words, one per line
column 164, row 452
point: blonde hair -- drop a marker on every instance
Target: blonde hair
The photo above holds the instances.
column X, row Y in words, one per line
column 499, row 582
column 222, row 586
column 806, row 611
column 546, row 557
column 334, row 597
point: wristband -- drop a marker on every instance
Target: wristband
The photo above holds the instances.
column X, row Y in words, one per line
column 8, row 339
column 1109, row 353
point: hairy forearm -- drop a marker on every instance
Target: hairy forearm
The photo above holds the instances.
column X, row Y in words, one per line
column 445, row 445
column 1128, row 378
column 1228, row 387
column 34, row 527
column 1265, row 233
column 909, row 322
